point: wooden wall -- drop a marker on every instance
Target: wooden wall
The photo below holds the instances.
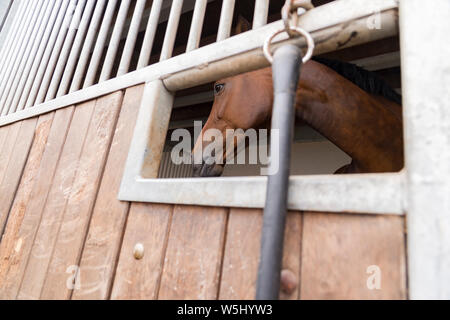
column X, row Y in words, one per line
column 59, row 178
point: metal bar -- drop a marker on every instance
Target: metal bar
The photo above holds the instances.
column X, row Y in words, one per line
column 14, row 52
column 163, row 166
column 242, row 53
column 19, row 56
column 154, row 121
column 100, row 44
column 377, row 194
column 40, row 63
column 16, row 45
column 197, row 25
column 12, row 33
column 115, row 40
column 426, row 108
column 261, row 13
column 226, row 19
column 28, row 57
column 149, row 38
column 128, row 49
column 286, row 72
column 327, row 40
column 64, row 53
column 76, row 48
column 171, row 31
column 166, row 166
column 35, row 55
column 5, row 13
column 52, row 53
column 88, row 43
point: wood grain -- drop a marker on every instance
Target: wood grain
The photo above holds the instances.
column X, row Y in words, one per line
column 3, row 136
column 8, row 147
column 242, row 249
column 139, row 279
column 194, row 253
column 14, row 261
column 338, row 249
column 77, row 213
column 14, row 169
column 53, row 210
column 106, row 229
column 9, row 239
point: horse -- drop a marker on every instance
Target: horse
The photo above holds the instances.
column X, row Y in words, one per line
column 350, row 106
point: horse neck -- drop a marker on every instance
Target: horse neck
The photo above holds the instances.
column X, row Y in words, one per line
column 357, row 122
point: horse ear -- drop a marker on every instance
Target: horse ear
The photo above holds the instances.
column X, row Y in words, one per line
column 242, row 25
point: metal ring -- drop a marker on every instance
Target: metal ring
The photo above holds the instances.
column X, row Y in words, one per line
column 300, row 31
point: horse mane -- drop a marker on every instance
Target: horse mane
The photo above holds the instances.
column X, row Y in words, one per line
column 366, row 80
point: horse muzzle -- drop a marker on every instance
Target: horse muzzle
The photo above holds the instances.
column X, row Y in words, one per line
column 208, row 170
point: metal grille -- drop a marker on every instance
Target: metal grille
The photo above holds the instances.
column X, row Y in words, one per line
column 57, row 47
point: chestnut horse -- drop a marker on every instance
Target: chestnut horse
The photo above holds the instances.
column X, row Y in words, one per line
column 348, row 105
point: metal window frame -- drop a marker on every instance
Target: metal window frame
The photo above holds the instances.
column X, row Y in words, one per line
column 367, row 193
column 426, row 97
column 355, row 193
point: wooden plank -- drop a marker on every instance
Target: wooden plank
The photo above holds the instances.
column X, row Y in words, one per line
column 8, row 147
column 106, row 229
column 53, row 210
column 242, row 249
column 139, row 279
column 13, row 173
column 3, row 135
column 73, row 229
column 338, row 249
column 14, row 261
column 194, row 253
column 10, row 242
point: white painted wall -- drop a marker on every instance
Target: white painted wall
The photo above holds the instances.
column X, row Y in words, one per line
column 318, row 157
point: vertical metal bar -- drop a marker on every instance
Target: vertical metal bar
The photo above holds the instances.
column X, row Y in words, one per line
column 23, row 28
column 261, row 13
column 42, row 56
column 12, row 33
column 115, row 40
column 152, row 25
column 226, row 19
column 171, row 31
column 28, row 57
column 130, row 42
column 19, row 56
column 12, row 56
column 65, row 51
column 52, row 53
column 197, row 25
column 286, row 71
column 76, row 48
column 167, row 165
column 100, row 44
column 6, row 14
column 88, row 43
column 162, row 166
column 35, row 55
column 426, row 106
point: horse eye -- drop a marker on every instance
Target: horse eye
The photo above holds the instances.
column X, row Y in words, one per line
column 218, row 88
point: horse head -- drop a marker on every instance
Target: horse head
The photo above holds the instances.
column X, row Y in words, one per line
column 240, row 102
